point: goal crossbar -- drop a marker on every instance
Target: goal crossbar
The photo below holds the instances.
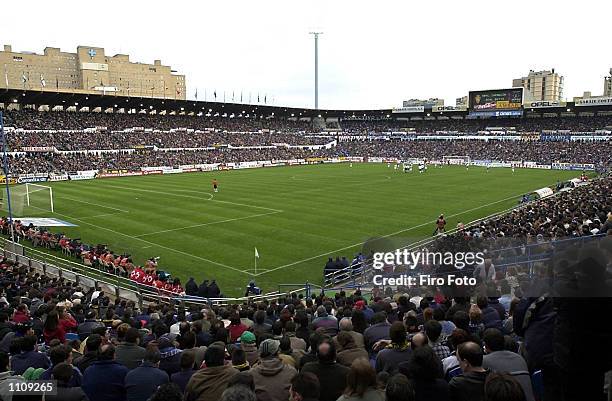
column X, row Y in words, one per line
column 30, row 188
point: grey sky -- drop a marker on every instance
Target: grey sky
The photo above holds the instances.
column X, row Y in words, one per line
column 373, row 54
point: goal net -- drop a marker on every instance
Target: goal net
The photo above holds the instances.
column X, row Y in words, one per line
column 28, row 199
column 456, row 160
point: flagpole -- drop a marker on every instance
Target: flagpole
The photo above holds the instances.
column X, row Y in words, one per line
column 256, row 264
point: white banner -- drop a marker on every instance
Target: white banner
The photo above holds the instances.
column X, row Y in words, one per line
column 595, row 101
column 409, row 109
column 448, row 108
column 544, row 192
column 543, row 105
column 58, row 177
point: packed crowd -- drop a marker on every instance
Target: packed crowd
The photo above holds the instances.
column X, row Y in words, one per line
column 576, row 124
column 419, row 345
column 81, row 140
column 597, row 153
column 53, row 162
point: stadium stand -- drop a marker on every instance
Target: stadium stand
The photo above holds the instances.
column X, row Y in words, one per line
column 449, row 345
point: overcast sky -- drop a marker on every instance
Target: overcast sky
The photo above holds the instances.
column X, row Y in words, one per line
column 373, row 54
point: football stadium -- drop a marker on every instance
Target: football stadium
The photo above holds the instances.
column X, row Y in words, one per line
column 163, row 241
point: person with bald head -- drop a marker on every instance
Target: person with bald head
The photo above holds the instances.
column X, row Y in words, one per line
column 331, row 375
column 419, row 340
column 469, row 386
column 346, row 326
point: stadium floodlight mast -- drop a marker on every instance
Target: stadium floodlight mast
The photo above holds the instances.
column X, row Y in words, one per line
column 316, row 89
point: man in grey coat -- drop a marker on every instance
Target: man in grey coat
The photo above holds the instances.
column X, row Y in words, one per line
column 497, row 359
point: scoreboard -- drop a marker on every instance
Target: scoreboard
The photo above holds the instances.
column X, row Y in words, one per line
column 496, row 102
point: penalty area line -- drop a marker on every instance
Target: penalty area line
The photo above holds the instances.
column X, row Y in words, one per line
column 154, row 244
column 205, row 224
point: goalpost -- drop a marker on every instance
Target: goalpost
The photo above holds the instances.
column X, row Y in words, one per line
column 46, row 197
column 456, row 160
column 29, row 198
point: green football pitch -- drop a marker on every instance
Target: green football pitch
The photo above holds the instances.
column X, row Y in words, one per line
column 296, row 217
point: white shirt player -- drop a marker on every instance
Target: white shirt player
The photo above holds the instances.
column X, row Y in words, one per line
column 422, row 168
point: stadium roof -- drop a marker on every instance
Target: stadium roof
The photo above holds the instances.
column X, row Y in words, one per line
column 67, row 99
column 106, row 101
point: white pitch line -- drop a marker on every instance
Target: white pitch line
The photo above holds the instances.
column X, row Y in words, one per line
column 154, row 244
column 205, row 224
column 101, row 215
column 93, row 204
column 195, row 197
column 384, row 236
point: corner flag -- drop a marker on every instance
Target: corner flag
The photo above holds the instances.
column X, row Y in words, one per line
column 256, row 253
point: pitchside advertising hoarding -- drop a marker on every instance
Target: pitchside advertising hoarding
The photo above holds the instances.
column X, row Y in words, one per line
column 496, row 102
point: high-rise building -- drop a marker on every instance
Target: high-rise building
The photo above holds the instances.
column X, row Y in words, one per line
column 88, row 70
column 608, row 85
column 546, row 86
column 428, row 104
column 461, row 101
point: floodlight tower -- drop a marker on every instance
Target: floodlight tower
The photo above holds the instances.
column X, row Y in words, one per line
column 316, row 40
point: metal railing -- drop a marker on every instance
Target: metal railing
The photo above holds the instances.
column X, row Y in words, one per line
column 119, row 287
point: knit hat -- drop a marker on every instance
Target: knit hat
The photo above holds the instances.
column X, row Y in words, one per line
column 268, row 348
column 359, row 305
column 247, row 337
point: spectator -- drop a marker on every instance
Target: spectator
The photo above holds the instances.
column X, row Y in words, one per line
column 63, row 373
column 104, row 379
column 379, row 330
column 239, row 361
column 503, row 387
column 324, row 321
column 238, row 393
column 304, row 387
column 361, row 383
column 62, row 354
column 260, row 328
column 469, row 386
column 389, row 358
column 497, row 359
column 425, row 371
column 182, row 378
column 450, row 364
column 92, row 346
column 7, row 376
column 170, row 356
column 236, row 327
column 208, row 383
column 331, row 375
column 399, row 388
column 297, row 344
column 249, row 346
column 346, row 325
column 141, row 383
column 91, row 322
column 349, row 352
column 271, row 376
column 433, row 329
column 167, row 392
column 28, row 357
column 56, row 325
column 128, row 352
